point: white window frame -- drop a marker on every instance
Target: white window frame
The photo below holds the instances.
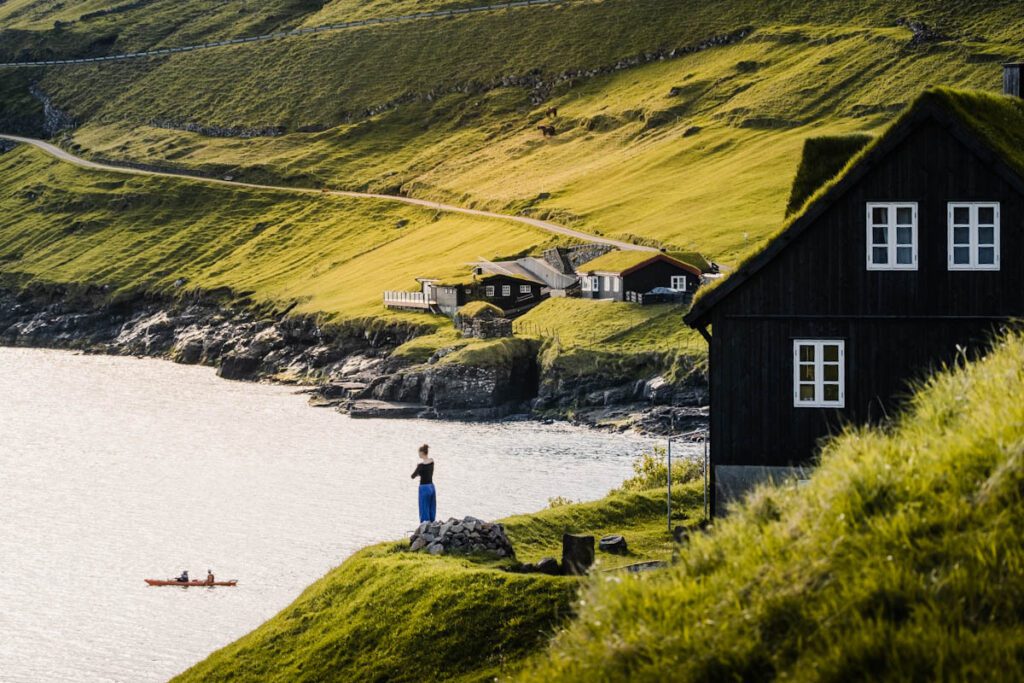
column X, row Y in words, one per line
column 525, row 289
column 585, row 283
column 616, row 284
column 506, row 290
column 973, row 227
column 674, row 283
column 489, row 291
column 607, row 283
column 595, row 283
column 819, row 373
column 891, row 236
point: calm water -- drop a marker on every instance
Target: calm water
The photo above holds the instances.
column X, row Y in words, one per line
column 117, row 469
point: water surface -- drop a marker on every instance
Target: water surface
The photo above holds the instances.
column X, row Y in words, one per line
column 113, row 470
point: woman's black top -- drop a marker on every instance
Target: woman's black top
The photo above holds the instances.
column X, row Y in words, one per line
column 425, row 471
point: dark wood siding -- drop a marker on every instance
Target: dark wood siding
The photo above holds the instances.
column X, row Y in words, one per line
column 897, row 325
column 658, row 274
column 515, row 300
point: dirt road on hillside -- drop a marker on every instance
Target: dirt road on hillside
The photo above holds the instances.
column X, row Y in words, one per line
column 547, row 226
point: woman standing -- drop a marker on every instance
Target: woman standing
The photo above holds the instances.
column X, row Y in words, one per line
column 428, row 496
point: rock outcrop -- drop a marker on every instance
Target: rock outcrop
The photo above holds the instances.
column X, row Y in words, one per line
column 466, row 536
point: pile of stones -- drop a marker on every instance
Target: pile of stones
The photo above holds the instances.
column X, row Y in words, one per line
column 465, row 536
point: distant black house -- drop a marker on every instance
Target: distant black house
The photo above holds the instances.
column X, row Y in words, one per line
column 895, row 265
column 513, row 291
column 627, row 275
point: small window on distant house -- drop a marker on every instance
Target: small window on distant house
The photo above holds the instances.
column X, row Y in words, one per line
column 585, row 283
column 506, row 290
column 468, row 290
column 607, row 284
column 892, row 236
column 595, row 283
column 524, row 289
column 819, row 374
column 616, row 282
column 489, row 290
column 679, row 283
column 973, row 236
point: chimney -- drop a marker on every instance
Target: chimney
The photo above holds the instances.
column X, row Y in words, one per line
column 1011, row 78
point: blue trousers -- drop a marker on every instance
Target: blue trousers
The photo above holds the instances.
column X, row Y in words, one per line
column 428, row 503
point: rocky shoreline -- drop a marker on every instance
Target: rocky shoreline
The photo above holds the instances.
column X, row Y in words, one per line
column 349, row 368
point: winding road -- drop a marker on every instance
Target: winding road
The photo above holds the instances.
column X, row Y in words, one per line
column 547, row 226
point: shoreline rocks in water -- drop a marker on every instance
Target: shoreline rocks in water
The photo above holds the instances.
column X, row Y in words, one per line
column 466, row 536
column 347, row 367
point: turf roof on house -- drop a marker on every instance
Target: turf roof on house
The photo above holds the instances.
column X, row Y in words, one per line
column 620, row 261
column 982, row 120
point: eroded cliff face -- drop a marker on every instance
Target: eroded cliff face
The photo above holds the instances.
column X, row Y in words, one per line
column 349, row 367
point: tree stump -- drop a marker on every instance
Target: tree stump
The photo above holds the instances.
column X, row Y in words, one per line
column 577, row 554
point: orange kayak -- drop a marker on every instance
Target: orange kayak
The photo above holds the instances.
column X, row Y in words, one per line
column 199, row 584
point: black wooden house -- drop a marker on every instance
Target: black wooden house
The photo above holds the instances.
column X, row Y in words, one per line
column 911, row 254
column 628, row 275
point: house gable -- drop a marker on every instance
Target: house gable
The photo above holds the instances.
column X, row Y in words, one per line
column 942, row 110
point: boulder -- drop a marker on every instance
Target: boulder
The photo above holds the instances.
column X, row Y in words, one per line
column 461, row 536
column 613, row 544
column 235, row 366
column 577, row 554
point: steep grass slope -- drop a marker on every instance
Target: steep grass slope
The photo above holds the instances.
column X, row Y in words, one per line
column 696, row 151
column 902, row 559
column 386, row 614
column 60, row 224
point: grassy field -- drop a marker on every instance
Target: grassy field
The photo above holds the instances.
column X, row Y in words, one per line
column 900, row 560
column 386, row 614
column 328, row 255
column 698, row 152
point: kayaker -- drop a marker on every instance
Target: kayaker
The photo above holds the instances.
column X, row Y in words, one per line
column 428, row 496
column 209, row 577
column 183, row 578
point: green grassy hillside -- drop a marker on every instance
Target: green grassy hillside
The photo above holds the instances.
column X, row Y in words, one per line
column 386, row 614
column 697, row 151
column 328, row 255
column 900, row 560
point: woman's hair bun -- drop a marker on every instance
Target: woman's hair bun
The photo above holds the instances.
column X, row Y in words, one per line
column 424, row 448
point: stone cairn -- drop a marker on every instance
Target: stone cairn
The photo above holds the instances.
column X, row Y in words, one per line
column 461, row 537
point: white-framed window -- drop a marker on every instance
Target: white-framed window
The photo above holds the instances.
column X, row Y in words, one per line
column 892, row 235
column 585, row 284
column 607, row 284
column 489, row 290
column 506, row 290
column 973, row 235
column 819, row 373
column 616, row 284
column 595, row 283
column 524, row 289
column 678, row 283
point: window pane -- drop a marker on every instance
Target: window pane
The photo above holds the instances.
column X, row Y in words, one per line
column 904, row 215
column 831, row 373
column 879, row 236
column 986, row 235
column 986, row 256
column 986, row 214
column 806, row 373
column 904, row 256
column 806, row 392
column 961, row 214
column 961, row 235
column 904, row 236
column 879, row 255
column 831, row 392
column 830, row 352
column 806, row 353
column 961, row 255
column 880, row 214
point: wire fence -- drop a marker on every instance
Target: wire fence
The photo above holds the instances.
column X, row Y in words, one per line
column 288, row 34
column 580, row 339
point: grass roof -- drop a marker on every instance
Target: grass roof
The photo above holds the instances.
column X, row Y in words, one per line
column 619, row 261
column 480, row 309
column 996, row 120
column 823, row 157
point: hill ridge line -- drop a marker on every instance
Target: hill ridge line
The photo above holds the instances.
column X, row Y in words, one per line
column 326, row 28
column 547, row 226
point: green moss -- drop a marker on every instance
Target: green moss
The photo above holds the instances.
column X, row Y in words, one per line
column 901, row 560
column 822, row 159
